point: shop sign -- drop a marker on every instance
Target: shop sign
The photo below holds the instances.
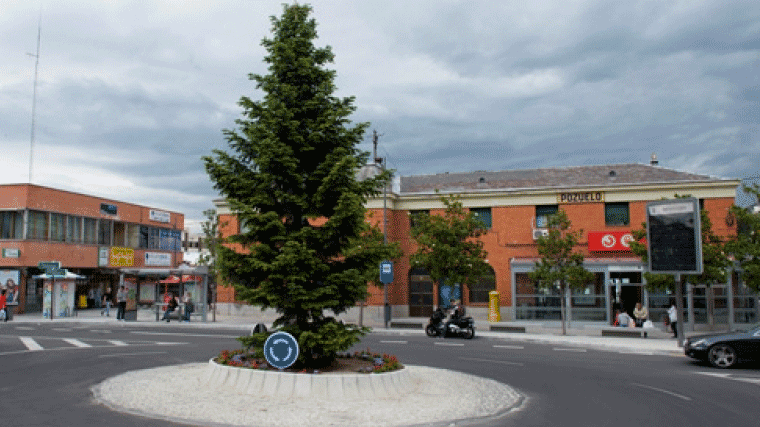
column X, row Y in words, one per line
column 159, row 216
column 108, row 209
column 122, row 257
column 609, row 240
column 103, row 254
column 158, row 259
column 11, row 252
column 581, row 197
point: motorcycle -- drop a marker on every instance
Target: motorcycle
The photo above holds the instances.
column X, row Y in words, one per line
column 463, row 326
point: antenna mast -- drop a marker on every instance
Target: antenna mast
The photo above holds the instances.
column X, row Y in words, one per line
column 34, row 96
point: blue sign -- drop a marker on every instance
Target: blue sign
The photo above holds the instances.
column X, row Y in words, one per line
column 386, row 272
column 281, row 350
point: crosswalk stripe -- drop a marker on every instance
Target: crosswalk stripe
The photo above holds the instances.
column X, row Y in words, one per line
column 30, row 344
column 118, row 343
column 76, row 342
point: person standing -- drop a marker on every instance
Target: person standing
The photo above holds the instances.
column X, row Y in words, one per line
column 121, row 301
column 641, row 314
column 673, row 318
column 3, row 307
column 189, row 306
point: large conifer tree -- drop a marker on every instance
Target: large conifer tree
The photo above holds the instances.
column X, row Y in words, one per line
column 290, row 177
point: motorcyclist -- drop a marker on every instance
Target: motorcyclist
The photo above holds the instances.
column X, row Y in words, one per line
column 456, row 313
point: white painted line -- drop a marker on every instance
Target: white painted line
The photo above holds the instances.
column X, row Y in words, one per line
column 62, row 329
column 100, row 331
column 513, row 347
column 132, row 354
column 24, row 328
column 117, row 343
column 504, row 362
column 680, row 396
column 180, row 334
column 645, row 353
column 76, row 342
column 30, row 344
column 753, row 380
column 167, row 343
column 451, row 344
column 393, row 342
column 578, row 350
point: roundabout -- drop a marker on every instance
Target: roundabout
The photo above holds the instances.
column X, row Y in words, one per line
column 213, row 394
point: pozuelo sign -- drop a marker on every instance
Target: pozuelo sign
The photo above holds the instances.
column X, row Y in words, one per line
column 281, row 350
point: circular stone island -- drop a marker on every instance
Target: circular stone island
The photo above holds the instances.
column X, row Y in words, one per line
column 214, row 394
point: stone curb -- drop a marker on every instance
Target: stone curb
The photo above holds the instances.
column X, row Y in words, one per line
column 287, row 384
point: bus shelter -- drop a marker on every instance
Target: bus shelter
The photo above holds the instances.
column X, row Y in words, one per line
column 153, row 285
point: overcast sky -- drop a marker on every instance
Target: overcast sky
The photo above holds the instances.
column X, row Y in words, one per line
column 132, row 93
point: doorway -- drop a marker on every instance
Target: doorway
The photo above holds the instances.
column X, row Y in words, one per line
column 625, row 292
column 420, row 293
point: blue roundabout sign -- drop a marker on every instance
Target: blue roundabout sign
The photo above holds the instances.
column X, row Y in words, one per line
column 281, row 350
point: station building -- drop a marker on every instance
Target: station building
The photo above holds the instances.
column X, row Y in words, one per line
column 92, row 237
column 607, row 202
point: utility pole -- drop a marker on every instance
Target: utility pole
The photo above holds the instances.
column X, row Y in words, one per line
column 34, row 96
column 382, row 161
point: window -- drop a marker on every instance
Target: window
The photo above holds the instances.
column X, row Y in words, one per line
column 119, row 234
column 133, row 235
column 90, row 231
column 483, row 215
column 104, row 232
column 37, row 227
column 616, row 214
column 480, row 289
column 12, row 225
column 414, row 217
column 542, row 214
column 57, row 227
column 73, row 229
column 144, row 236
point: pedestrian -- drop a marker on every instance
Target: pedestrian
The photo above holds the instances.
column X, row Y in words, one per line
column 189, row 306
column 3, row 306
column 121, row 302
column 91, row 298
column 99, row 297
column 106, row 305
column 673, row 317
column 170, row 306
column 623, row 319
column 641, row 314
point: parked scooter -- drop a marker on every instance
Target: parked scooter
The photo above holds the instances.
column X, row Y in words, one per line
column 462, row 327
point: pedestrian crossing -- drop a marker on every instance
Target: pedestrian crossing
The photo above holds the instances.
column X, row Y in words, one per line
column 20, row 344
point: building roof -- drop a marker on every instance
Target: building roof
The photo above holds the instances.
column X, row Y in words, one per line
column 562, row 177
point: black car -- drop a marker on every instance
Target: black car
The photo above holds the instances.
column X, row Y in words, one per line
column 726, row 349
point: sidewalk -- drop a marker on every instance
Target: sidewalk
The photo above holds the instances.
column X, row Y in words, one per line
column 578, row 335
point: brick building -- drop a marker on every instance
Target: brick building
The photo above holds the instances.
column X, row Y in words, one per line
column 90, row 236
column 606, row 202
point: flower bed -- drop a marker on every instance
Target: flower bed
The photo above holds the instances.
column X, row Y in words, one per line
column 360, row 361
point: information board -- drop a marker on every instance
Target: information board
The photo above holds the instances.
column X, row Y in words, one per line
column 674, row 236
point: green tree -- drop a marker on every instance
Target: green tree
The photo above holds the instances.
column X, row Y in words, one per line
column 291, row 181
column 715, row 261
column 746, row 247
column 447, row 245
column 212, row 242
column 559, row 265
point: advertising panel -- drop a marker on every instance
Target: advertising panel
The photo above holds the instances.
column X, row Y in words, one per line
column 158, row 259
column 159, row 216
column 9, row 280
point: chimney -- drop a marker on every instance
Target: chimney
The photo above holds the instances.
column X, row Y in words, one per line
column 654, row 161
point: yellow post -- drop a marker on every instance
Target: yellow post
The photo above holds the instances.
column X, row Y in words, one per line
column 493, row 307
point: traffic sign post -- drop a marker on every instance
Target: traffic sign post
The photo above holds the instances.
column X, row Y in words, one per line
column 281, row 350
column 674, row 237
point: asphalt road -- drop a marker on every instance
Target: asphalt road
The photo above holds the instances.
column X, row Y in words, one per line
column 46, row 372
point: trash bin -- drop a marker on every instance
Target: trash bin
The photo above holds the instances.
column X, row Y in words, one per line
column 493, row 307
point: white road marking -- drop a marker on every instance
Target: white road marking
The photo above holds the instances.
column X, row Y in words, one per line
column 504, row 362
column 62, row 329
column 452, row 344
column 100, row 331
column 731, row 377
column 132, row 354
column 680, row 396
column 513, row 347
column 393, row 342
column 180, row 334
column 579, row 350
column 117, row 343
column 24, row 328
column 645, row 353
column 30, row 344
column 76, row 342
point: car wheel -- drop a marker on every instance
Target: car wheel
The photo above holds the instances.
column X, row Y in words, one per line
column 721, row 356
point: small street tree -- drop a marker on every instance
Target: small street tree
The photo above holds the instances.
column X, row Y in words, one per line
column 559, row 265
column 448, row 248
column 211, row 241
column 715, row 261
column 290, row 177
column 746, row 247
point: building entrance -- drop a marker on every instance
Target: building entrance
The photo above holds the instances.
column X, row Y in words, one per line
column 625, row 291
column 420, row 294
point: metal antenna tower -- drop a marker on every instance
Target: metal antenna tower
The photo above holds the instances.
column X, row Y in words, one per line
column 34, row 96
